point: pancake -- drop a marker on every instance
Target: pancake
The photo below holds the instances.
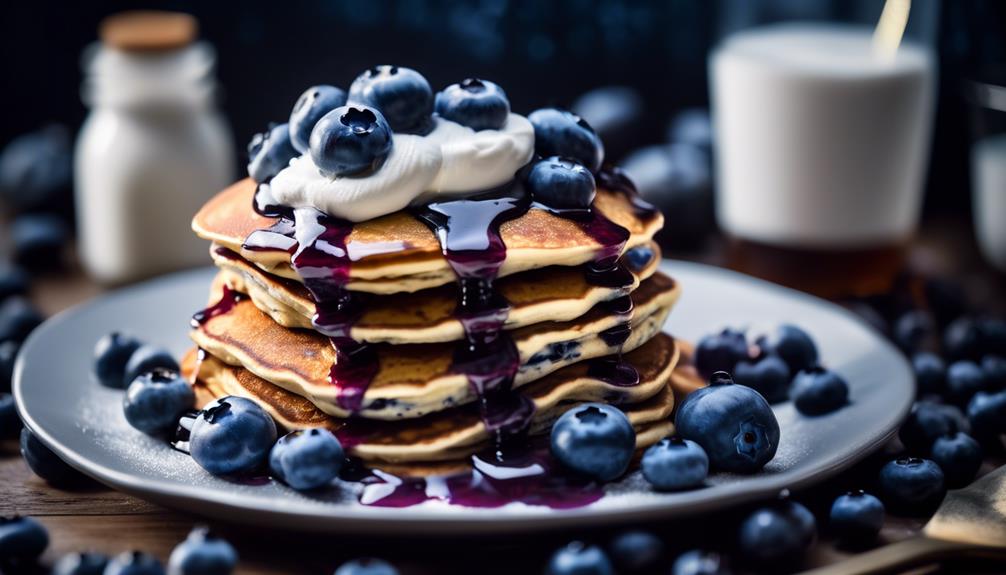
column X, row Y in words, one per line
column 415, row 380
column 399, row 253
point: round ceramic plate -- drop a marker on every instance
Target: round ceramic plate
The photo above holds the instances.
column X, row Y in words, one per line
column 83, row 422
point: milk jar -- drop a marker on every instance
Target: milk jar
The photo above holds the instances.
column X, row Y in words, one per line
column 153, row 149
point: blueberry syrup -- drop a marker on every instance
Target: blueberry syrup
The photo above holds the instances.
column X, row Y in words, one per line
column 228, row 300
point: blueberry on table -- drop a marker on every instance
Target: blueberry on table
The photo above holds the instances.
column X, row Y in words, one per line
column 617, row 114
column 733, row 423
column 350, row 140
column 134, row 563
column 111, row 354
column 478, row 104
column 926, row 422
column 636, row 551
column 768, row 375
column 856, row 518
column 8, row 355
column 987, row 415
column 22, row 541
column 916, row 331
column 793, row 345
column 959, row 456
column 965, row 378
column 993, row 335
column 564, row 134
column 86, row 563
column 578, row 558
column 202, row 553
column 402, row 95
column 595, row 440
column 818, row 391
column 269, row 152
column 13, row 280
column 18, row 317
column 10, row 423
column 36, row 169
column 307, row 459
column 561, row 184
column 912, row 486
column 147, row 358
column 366, row 566
column 778, row 534
column 930, row 373
column 692, row 126
column 721, row 352
column 674, row 464
column 314, row 103
column 39, row 241
column 994, row 367
column 232, row 435
column 46, row 464
column 700, row 562
column 963, row 339
column 156, row 399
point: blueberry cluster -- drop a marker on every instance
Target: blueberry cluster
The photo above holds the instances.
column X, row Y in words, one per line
column 18, row 318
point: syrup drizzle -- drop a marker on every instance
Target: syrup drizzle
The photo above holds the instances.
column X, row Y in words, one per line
column 228, row 300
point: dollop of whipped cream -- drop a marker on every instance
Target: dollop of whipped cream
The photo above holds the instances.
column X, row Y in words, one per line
column 452, row 160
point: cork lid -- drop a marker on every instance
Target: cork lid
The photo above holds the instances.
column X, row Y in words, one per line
column 148, row 30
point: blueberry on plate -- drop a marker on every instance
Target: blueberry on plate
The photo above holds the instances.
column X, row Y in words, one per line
column 18, row 317
column 987, row 415
column 818, row 391
column 915, row 331
column 595, row 440
column 674, row 464
column 269, row 152
column 636, row 551
column 733, row 424
column 13, row 280
column 777, row 534
column 134, row 563
column 46, row 464
column 564, row 134
column 994, row 367
column 578, row 558
column 232, row 435
column 307, row 459
column 768, row 375
column 700, row 562
column 314, row 103
column 963, row 339
column 22, row 540
column 8, row 356
column 402, row 95
column 561, row 184
column 930, row 373
column 793, row 345
column 202, row 553
column 111, row 354
column 478, row 104
column 856, row 518
column 36, row 169
column 721, row 352
column 156, row 399
column 147, row 358
column 912, row 486
column 350, row 140
column 965, row 378
column 926, row 422
column 639, row 257
column 39, row 241
column 366, row 566
column 10, row 423
column 86, row 563
column 959, row 456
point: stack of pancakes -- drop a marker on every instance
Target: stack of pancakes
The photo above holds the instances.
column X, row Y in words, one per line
column 576, row 340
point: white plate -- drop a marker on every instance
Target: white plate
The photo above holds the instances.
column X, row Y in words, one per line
column 83, row 422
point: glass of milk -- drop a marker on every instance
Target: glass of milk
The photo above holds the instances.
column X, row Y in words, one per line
column 988, row 172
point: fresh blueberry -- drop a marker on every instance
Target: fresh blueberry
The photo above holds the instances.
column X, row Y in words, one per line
column 269, row 152
column 111, row 354
column 930, row 373
column 564, row 134
column 147, row 358
column 915, row 331
column 912, row 486
column 22, row 540
column 36, row 169
column 314, row 103
column 959, row 456
column 993, row 335
column 402, row 95
column 202, row 553
column 366, row 566
column 926, row 422
column 793, row 345
column 965, row 378
column 350, row 140
column 721, row 352
column 232, row 435
column 8, row 355
column 13, row 280
column 856, row 518
column 733, row 424
column 617, row 114
column 46, row 464
column 478, row 104
column 777, row 534
column 692, row 126
column 673, row 464
column 987, row 415
column 994, row 367
column 18, row 317
column 963, row 339
column 578, row 558
column 10, row 423
column 639, row 257
column 39, row 241
column 134, row 563
column 699, row 562
column 768, row 375
column 595, row 440
column 561, row 184
column 81, row 564
column 156, row 399
column 636, row 552
column 307, row 459
column 818, row 391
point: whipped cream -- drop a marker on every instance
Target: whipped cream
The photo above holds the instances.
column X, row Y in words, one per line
column 452, row 160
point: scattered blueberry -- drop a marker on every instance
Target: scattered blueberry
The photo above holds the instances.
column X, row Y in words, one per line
column 22, row 540
column 8, row 356
column 46, row 464
column 577, row 558
column 962, row 339
column 36, row 169
column 721, row 352
column 134, row 563
column 926, row 422
column 793, row 345
column 147, row 358
column 777, row 534
column 994, row 367
column 269, row 152
column 10, row 423
column 18, row 317
column 768, row 375
column 232, row 435
column 930, row 373
column 733, row 423
column 617, row 114
column 915, row 331
column 478, row 104
column 402, row 95
column 350, row 140
column 307, row 459
column 202, row 553
column 636, row 551
column 561, row 184
column 673, row 464
column 314, row 103
column 856, row 518
column 692, row 126
column 639, row 257
column 80, row 564
column 699, row 562
column 366, row 566
column 156, row 399
column 564, row 134
column 987, row 415
column 959, row 456
column 13, row 280
column 993, row 335
column 111, row 354
column 912, row 486
column 595, row 440
column 964, row 379
column 39, row 241
column 818, row 391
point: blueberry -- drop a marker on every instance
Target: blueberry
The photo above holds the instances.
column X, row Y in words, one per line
column 269, row 152
column 594, row 440
column 994, row 367
column 912, row 486
column 692, row 126
column 959, row 456
column 636, row 552
column 673, row 464
column 18, row 317
column 307, row 459
column 156, row 399
column 366, row 566
column 350, row 140
column 721, row 352
column 963, row 339
column 46, row 464
column 402, row 95
column 793, row 345
column 561, row 184
column 915, row 331
column 39, row 241
column 733, row 423
column 856, row 518
column 314, row 103
column 10, row 423
column 818, row 391
column 924, row 424
column 36, row 169
column 965, row 378
column 930, row 373
column 202, row 553
column 564, row 134
column 987, row 415
column 13, row 280
column 147, row 358
column 134, row 563
column 80, row 564
column 111, row 354
column 699, row 562
column 639, row 257
column 777, row 534
column 22, row 541
column 478, row 104
column 993, row 335
column 232, row 435
column 617, row 114
column 8, row 356
column 578, row 558
column 768, row 375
